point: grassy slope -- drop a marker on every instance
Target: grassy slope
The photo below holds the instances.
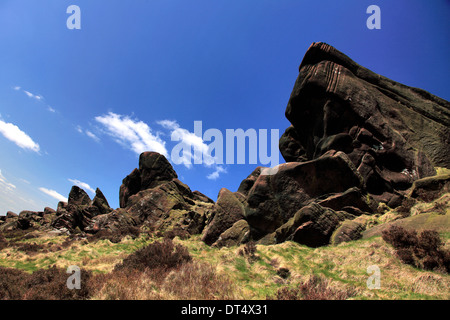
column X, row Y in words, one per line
column 344, row 265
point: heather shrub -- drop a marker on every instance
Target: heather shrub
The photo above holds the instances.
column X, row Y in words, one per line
column 249, row 251
column 51, row 284
column 405, row 208
column 3, row 241
column 29, row 248
column 12, row 283
column 164, row 255
column 44, row 284
column 425, row 251
column 315, row 288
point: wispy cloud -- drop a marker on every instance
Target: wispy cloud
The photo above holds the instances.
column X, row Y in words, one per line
column 33, row 96
column 82, row 185
column 36, row 97
column 4, row 184
column 92, row 136
column 54, row 194
column 132, row 133
column 20, row 138
column 215, row 175
column 88, row 133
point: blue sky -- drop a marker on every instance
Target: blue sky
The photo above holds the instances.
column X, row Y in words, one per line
column 77, row 106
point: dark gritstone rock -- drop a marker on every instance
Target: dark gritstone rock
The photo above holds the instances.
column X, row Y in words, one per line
column 248, row 183
column 100, row 202
column 131, row 185
column 154, row 169
column 290, row 147
column 312, row 225
column 392, row 133
column 78, row 196
column 152, row 198
column 227, row 210
column 431, row 187
column 274, row 199
column 237, row 234
column 349, row 230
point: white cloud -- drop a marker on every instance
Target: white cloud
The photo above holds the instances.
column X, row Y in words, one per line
column 20, row 138
column 17, row 88
column 92, row 136
column 54, row 194
column 168, row 124
column 31, row 95
column 82, row 185
column 51, row 109
column 4, row 184
column 215, row 175
column 133, row 134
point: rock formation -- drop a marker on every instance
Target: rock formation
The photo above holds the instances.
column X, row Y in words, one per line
column 356, row 140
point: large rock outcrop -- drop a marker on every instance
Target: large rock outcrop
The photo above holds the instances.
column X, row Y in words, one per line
column 357, row 142
column 356, row 139
column 153, row 198
column 393, row 134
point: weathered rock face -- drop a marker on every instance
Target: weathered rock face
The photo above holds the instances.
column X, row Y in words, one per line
column 274, row 199
column 100, row 202
column 78, row 212
column 392, row 133
column 153, row 198
column 227, row 210
column 312, row 225
column 154, row 169
column 356, row 139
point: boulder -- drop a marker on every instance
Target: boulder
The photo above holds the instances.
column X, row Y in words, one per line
column 350, row 199
column 227, row 210
column 237, row 234
column 247, row 183
column 154, row 169
column 29, row 219
column 348, row 230
column 419, row 223
column 312, row 225
column 274, row 199
column 430, row 188
column 11, row 214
